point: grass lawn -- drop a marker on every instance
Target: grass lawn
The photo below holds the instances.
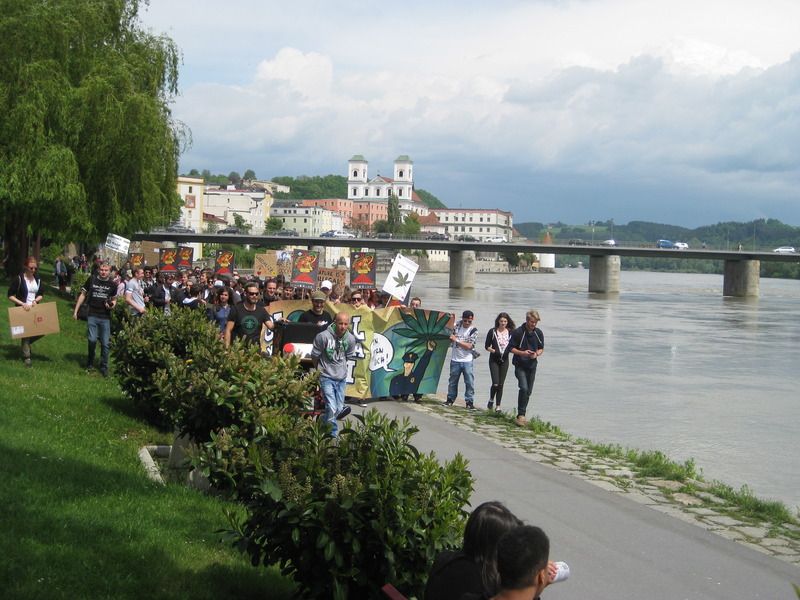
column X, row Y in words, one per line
column 79, row 518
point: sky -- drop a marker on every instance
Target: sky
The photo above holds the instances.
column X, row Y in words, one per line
column 684, row 112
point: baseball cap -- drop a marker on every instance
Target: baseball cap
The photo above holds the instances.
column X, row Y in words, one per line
column 326, row 285
column 318, row 296
column 467, row 314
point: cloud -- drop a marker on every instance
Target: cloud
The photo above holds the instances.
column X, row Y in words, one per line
column 544, row 108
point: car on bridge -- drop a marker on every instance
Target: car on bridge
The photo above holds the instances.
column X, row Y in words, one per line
column 785, row 250
column 287, row 233
column 437, row 236
column 681, row 246
column 177, row 228
column 230, row 230
column 344, row 234
column 577, row 242
column 467, row 238
column 608, row 243
column 665, row 244
column 328, row 234
column 498, row 239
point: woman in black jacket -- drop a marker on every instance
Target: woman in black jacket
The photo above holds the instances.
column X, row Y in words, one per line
column 497, row 346
column 26, row 291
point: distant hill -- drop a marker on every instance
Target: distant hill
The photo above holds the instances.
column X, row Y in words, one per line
column 763, row 234
column 333, row 186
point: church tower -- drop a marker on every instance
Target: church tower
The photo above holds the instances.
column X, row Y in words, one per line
column 357, row 177
column 403, row 177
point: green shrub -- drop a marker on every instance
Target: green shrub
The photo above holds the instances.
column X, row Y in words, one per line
column 343, row 516
column 241, row 409
column 152, row 342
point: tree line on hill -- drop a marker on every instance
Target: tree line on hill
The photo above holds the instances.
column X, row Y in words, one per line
column 761, row 234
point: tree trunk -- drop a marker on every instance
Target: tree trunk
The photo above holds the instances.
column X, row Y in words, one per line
column 16, row 245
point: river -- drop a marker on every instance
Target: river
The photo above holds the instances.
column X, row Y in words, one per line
column 668, row 364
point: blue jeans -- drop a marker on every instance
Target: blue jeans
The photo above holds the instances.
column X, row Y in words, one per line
column 333, row 392
column 525, row 376
column 99, row 329
column 456, row 370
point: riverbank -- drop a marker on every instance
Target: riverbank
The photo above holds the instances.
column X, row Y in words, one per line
column 649, row 479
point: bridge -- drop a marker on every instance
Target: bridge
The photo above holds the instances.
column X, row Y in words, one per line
column 741, row 272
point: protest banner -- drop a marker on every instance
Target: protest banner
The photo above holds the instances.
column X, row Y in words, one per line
column 167, row 260
column 362, row 270
column 305, row 268
column 224, row 263
column 401, row 350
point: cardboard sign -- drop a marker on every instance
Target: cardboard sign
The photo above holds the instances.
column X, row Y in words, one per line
column 362, row 270
column 41, row 319
column 335, row 276
column 304, row 271
column 265, row 265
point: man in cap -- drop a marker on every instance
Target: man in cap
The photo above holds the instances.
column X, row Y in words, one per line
column 317, row 313
column 462, row 342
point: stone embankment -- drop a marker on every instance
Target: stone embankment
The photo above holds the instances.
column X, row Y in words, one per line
column 698, row 507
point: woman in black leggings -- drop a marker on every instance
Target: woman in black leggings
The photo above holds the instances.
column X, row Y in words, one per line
column 496, row 345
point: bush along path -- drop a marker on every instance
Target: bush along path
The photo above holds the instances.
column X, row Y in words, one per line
column 648, row 478
column 339, row 516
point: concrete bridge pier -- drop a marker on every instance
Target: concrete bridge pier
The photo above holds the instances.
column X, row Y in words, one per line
column 462, row 269
column 604, row 274
column 742, row 278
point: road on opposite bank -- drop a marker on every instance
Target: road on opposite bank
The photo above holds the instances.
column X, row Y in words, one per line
column 617, row 549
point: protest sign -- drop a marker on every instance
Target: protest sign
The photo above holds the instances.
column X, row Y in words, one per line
column 185, row 256
column 305, row 268
column 400, row 277
column 224, row 263
column 167, row 260
column 362, row 270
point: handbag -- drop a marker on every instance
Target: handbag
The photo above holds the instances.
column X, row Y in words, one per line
column 83, row 311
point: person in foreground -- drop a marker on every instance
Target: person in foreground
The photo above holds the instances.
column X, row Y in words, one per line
column 473, row 569
column 332, row 348
column 522, row 564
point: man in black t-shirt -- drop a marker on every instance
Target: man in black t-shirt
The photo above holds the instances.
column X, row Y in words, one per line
column 99, row 292
column 317, row 315
column 247, row 319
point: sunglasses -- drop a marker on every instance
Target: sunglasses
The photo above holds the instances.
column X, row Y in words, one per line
column 252, row 293
column 358, row 299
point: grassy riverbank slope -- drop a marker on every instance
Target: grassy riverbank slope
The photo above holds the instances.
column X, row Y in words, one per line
column 79, row 517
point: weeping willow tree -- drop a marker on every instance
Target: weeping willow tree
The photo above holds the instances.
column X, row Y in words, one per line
column 87, row 140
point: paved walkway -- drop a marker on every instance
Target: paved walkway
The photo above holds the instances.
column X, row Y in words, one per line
column 623, row 537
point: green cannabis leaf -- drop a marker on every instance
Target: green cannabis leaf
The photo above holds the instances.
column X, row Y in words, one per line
column 402, row 280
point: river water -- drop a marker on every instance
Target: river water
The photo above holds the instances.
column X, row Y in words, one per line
column 668, row 364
